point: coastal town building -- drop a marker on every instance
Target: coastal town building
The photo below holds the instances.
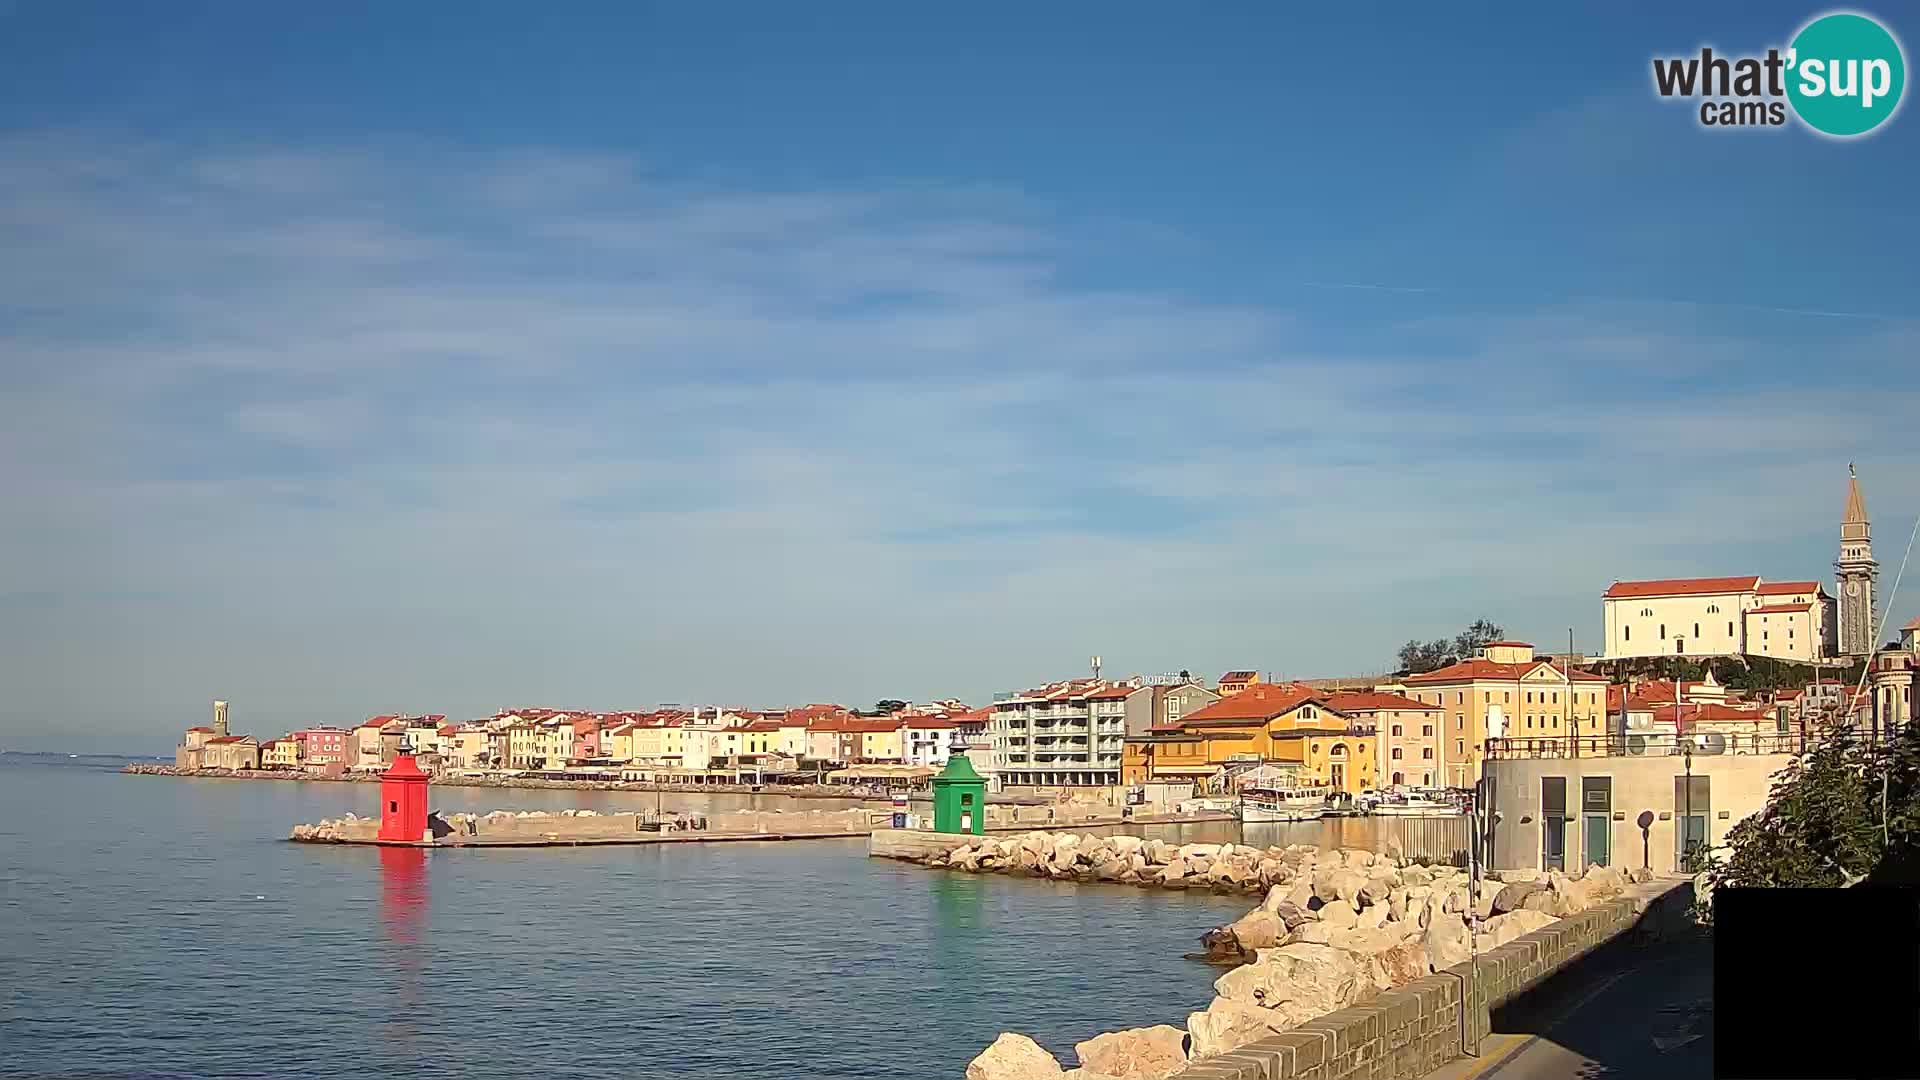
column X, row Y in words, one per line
column 1287, row 726
column 323, row 746
column 1164, row 700
column 1064, row 734
column 281, row 753
column 1892, row 675
column 1409, row 746
column 1727, row 616
column 1233, row 682
column 927, row 740
column 230, row 752
column 1505, row 691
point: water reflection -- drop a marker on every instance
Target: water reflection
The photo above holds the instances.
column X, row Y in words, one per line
column 403, row 916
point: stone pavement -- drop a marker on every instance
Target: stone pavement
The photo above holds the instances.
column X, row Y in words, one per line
column 1648, row 1016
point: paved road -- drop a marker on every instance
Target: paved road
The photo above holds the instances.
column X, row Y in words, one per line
column 1646, row 1016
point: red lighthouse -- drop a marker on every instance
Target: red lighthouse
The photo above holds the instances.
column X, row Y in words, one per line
column 403, row 801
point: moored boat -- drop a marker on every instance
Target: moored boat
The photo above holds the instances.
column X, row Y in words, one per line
column 1261, row 805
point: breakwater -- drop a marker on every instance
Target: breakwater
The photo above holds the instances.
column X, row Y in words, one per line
column 536, row 783
column 1334, row 930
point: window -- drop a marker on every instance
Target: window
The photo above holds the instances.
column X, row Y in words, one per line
column 1459, row 697
column 1529, row 719
column 1508, row 696
column 1556, row 697
column 1646, row 612
column 1396, row 731
column 1629, row 633
column 1427, row 753
column 1529, row 697
column 1663, row 631
column 1696, row 629
column 1712, row 609
column 1459, row 722
column 1729, row 629
column 1426, row 730
column 1460, row 746
column 1396, row 753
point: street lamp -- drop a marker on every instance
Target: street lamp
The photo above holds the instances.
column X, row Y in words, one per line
column 1686, row 826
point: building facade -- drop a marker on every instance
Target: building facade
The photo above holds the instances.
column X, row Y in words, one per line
column 1727, row 616
column 1066, row 734
column 1506, row 691
column 1408, row 743
column 1286, row 728
column 1160, row 703
column 324, row 746
column 1856, row 573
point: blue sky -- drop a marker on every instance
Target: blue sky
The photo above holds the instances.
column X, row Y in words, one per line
column 439, row 358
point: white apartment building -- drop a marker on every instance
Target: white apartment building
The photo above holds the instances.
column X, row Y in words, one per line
column 1066, row 734
column 1726, row 616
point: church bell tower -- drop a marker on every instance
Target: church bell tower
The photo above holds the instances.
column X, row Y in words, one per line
column 1856, row 573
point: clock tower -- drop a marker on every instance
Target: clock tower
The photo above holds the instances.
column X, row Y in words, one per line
column 1856, row 572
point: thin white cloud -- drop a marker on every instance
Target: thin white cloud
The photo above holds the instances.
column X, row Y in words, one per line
column 461, row 432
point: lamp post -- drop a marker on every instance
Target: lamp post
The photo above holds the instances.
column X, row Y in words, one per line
column 1686, row 826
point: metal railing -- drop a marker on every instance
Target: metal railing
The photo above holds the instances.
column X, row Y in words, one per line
column 1661, row 744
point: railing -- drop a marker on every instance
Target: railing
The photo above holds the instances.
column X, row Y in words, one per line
column 1700, row 744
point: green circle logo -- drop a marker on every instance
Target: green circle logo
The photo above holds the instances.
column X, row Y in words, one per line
column 1845, row 74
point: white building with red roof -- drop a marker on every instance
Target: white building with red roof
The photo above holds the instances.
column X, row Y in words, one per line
column 1719, row 616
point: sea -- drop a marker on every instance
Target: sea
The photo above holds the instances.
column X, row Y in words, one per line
column 164, row 927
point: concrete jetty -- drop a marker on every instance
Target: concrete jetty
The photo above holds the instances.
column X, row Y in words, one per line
column 588, row 828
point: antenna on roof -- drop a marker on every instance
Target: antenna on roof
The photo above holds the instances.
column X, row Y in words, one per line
column 1096, row 668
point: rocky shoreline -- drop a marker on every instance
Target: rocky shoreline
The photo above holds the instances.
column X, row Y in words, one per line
column 1334, row 929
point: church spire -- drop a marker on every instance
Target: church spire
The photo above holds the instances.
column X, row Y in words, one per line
column 1856, row 513
column 1857, row 573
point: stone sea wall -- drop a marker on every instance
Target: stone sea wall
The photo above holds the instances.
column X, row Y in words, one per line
column 501, row 825
column 1334, row 930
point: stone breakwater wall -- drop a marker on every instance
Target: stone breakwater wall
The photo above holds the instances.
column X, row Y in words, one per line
column 1017, row 809
column 1335, row 930
column 565, row 825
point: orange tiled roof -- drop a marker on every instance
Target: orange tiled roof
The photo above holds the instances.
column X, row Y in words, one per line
column 1488, row 669
column 1261, row 701
column 1781, row 588
column 1780, row 609
column 1681, row 587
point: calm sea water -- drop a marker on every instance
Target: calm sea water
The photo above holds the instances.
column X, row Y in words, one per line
column 157, row 927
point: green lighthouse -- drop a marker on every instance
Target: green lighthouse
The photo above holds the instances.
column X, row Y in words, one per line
column 960, row 798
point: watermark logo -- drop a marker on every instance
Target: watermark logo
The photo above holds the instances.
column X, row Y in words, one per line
column 1843, row 75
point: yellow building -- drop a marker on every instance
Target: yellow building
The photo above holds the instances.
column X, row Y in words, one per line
column 1273, row 724
column 1506, row 692
column 281, row 754
column 523, row 746
column 617, row 742
column 879, row 739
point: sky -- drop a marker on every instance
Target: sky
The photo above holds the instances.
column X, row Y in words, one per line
column 444, row 358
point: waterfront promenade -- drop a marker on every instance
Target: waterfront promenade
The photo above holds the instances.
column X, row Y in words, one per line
column 1633, row 1015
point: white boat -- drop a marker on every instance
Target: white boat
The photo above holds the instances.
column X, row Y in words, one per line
column 1282, row 804
column 1416, row 807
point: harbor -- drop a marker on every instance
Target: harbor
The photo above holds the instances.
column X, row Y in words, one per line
column 406, row 819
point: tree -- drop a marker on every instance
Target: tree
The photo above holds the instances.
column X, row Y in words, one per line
column 888, row 706
column 1844, row 813
column 1469, row 641
column 1418, row 656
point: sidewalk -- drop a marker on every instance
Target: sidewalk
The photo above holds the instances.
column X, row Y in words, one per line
column 1647, row 1016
